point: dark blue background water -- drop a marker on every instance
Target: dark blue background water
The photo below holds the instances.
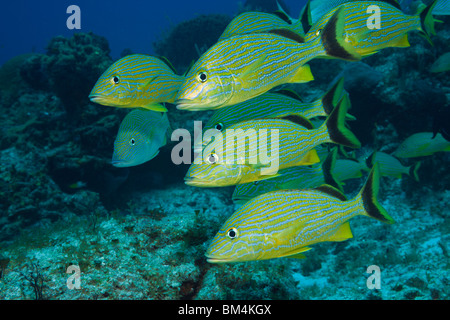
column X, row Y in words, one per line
column 27, row 26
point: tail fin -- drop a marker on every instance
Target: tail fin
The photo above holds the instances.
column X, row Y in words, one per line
column 413, row 170
column 370, row 161
column 327, row 170
column 337, row 130
column 333, row 39
column 332, row 97
column 427, row 21
column 369, row 194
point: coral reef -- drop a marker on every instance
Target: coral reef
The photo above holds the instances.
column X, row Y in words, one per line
column 70, row 68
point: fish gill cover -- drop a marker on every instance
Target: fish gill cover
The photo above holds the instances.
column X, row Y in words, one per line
column 140, row 232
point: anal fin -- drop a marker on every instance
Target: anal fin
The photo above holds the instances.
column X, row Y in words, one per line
column 343, row 233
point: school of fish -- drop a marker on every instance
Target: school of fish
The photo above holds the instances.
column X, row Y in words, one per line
column 293, row 198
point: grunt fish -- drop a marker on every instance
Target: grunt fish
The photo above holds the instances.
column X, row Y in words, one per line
column 421, row 144
column 391, row 166
column 141, row 134
column 391, row 32
column 242, row 67
column 137, row 81
column 285, row 223
column 224, row 166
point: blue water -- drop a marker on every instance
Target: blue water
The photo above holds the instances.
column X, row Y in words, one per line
column 27, row 26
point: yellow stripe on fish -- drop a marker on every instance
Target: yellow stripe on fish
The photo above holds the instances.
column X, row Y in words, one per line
column 391, row 32
column 226, row 164
column 285, row 223
column 137, row 81
column 242, row 67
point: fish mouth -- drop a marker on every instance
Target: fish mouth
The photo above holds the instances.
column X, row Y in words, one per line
column 214, row 259
column 104, row 100
column 119, row 163
column 186, row 104
column 98, row 99
column 195, row 182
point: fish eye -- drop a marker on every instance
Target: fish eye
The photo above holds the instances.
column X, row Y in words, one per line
column 318, row 32
column 218, row 126
column 232, row 233
column 115, row 80
column 132, row 142
column 212, row 158
column 202, row 77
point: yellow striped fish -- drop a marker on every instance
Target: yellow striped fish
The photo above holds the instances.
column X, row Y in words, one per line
column 285, row 223
column 226, row 164
column 242, row 67
column 141, row 134
column 137, row 81
column 391, row 166
column 275, row 105
column 422, row 144
column 391, row 32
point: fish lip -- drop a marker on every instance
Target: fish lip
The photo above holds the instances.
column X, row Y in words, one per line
column 193, row 182
column 118, row 163
column 103, row 100
column 98, row 98
column 212, row 259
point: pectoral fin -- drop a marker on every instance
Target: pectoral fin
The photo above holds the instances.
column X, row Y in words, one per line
column 250, row 69
column 145, row 85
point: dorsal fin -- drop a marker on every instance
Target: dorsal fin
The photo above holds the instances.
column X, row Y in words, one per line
column 168, row 63
column 370, row 161
column 305, row 17
column 283, row 16
column 325, row 188
column 289, row 34
column 327, row 170
column 297, row 119
column 393, row 3
column 189, row 68
column 290, row 93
